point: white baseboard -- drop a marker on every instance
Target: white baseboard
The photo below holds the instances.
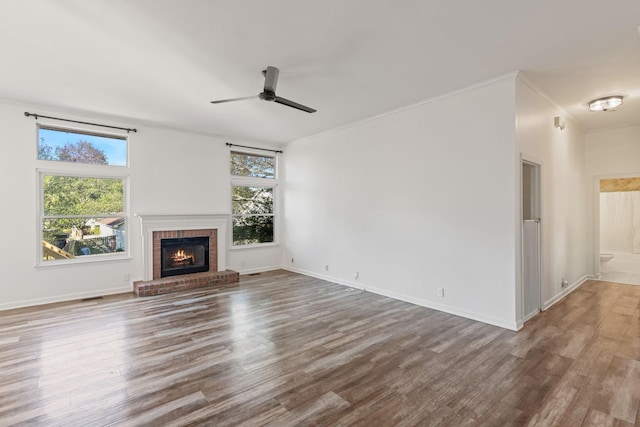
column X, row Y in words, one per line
column 503, row 323
column 98, row 293
column 258, row 270
column 413, row 300
column 66, row 297
column 575, row 285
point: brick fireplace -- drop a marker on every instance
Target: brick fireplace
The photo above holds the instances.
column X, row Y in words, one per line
column 160, row 236
column 156, row 228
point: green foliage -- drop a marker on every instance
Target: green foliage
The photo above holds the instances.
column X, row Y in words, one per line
column 84, row 197
column 252, row 165
column 252, row 206
column 251, row 200
column 252, row 209
column 72, row 195
column 252, row 229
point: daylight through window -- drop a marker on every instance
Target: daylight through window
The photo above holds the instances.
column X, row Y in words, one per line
column 252, row 198
column 82, row 216
column 82, row 211
column 65, row 145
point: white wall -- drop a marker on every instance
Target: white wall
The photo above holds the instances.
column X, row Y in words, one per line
column 613, row 152
column 416, row 200
column 565, row 217
column 171, row 172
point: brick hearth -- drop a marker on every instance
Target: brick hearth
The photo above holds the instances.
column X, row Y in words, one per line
column 221, row 279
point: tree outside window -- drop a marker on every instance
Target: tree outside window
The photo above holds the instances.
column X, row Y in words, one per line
column 252, row 209
column 252, row 198
column 82, row 213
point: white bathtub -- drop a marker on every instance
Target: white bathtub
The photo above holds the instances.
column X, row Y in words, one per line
column 629, row 263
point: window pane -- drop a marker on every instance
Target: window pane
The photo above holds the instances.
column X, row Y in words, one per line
column 73, row 195
column 81, row 237
column 78, row 147
column 249, row 230
column 253, row 165
column 252, row 200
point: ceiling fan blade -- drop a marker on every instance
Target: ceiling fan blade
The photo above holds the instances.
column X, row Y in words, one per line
column 221, row 101
column 271, row 79
column 292, row 104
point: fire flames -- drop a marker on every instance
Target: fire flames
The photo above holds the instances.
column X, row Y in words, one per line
column 180, row 257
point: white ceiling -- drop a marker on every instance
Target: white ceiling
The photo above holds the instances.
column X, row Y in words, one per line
column 162, row 61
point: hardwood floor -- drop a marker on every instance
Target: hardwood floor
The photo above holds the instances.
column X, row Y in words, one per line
column 289, row 350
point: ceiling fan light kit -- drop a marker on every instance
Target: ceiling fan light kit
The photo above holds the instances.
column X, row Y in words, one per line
column 608, row 103
column 269, row 92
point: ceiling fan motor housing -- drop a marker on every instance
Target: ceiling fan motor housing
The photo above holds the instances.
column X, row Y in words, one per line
column 267, row 96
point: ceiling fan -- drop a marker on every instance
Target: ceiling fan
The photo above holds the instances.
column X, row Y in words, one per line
column 269, row 92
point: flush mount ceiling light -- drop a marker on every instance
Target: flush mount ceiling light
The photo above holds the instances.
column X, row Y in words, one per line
column 605, row 104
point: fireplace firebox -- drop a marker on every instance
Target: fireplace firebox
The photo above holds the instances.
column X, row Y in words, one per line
column 184, row 255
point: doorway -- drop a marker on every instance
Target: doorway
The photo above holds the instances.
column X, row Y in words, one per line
column 531, row 240
column 618, row 229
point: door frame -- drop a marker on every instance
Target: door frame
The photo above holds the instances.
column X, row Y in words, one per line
column 596, row 215
column 539, row 208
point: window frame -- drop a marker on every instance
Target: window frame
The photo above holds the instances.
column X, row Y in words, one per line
column 81, row 170
column 261, row 182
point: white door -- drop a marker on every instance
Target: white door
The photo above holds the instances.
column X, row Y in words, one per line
column 531, row 274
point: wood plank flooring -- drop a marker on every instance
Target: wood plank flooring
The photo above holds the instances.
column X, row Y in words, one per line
column 284, row 349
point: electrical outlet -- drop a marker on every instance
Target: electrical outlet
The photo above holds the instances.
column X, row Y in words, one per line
column 291, row 260
column 326, row 267
column 356, row 275
column 127, row 277
column 564, row 283
column 441, row 292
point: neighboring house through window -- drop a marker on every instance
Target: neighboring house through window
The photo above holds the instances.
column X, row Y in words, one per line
column 82, row 211
column 253, row 195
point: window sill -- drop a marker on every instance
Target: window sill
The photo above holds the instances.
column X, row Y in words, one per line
column 254, row 246
column 93, row 260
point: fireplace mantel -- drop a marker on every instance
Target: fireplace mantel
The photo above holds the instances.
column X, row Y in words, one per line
column 149, row 223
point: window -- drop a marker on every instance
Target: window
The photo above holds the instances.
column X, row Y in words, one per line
column 65, row 145
column 253, row 189
column 253, row 165
column 82, row 206
column 252, row 209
